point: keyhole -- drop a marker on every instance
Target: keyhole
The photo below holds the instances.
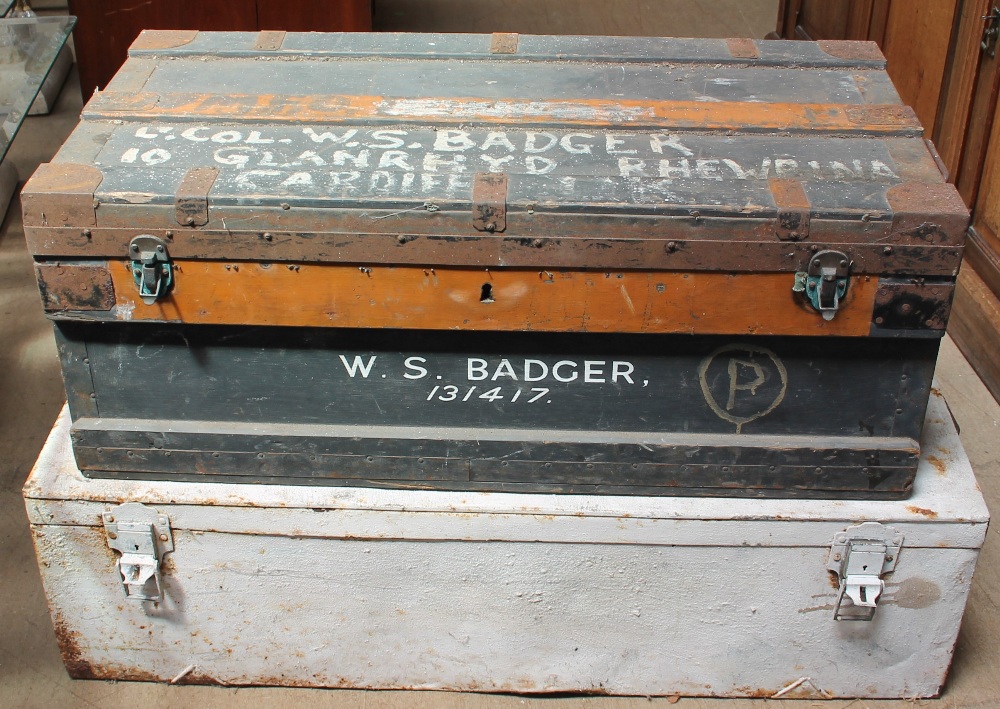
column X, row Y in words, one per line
column 486, row 295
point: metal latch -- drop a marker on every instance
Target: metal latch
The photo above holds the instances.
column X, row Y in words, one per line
column 991, row 29
column 151, row 267
column 142, row 536
column 860, row 556
column 825, row 282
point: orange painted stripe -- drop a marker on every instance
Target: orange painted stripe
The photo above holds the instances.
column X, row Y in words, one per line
column 332, row 295
column 316, row 108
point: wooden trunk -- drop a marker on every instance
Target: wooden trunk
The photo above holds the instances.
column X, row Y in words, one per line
column 510, row 262
column 389, row 589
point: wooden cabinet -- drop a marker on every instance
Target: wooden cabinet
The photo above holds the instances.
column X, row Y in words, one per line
column 914, row 36
column 105, row 29
column 936, row 59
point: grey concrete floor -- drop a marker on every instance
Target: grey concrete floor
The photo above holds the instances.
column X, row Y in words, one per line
column 31, row 674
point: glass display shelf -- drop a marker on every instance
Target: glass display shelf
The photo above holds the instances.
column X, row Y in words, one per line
column 29, row 47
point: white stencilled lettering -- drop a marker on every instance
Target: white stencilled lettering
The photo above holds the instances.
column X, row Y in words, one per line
column 531, row 141
column 622, row 369
column 543, row 370
column 611, row 144
column 414, row 364
column 562, row 364
column 387, row 139
column 451, row 141
column 329, row 136
column 358, row 365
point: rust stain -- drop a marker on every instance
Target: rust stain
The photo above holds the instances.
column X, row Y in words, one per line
column 930, row 514
column 938, row 464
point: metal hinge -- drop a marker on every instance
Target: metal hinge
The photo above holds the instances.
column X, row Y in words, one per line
column 860, row 556
column 151, row 268
column 824, row 283
column 142, row 536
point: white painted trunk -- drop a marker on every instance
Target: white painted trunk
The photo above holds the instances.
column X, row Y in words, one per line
column 502, row 592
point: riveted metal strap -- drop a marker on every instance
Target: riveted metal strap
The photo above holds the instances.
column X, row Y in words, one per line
column 742, row 48
column 269, row 40
column 504, row 43
column 191, row 199
column 792, row 223
column 489, row 201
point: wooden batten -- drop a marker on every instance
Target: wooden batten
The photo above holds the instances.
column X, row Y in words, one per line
column 329, row 295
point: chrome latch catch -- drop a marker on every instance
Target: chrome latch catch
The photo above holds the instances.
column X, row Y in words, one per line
column 824, row 282
column 142, row 536
column 861, row 556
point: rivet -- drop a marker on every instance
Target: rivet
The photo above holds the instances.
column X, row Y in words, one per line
column 267, row 236
column 899, row 411
column 135, row 247
column 286, row 205
column 887, row 250
column 370, row 459
column 109, row 518
column 189, row 221
column 159, row 249
column 86, row 233
column 112, row 535
column 420, row 461
column 401, row 239
column 814, row 248
column 93, row 395
column 929, row 323
column 260, row 456
column 537, row 243
column 879, row 320
column 671, row 245
column 491, row 227
column 819, row 470
column 836, row 557
column 906, row 307
column 843, row 264
column 169, row 235
column 890, row 557
column 864, row 470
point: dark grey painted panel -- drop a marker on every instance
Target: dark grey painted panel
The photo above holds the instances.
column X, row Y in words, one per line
column 596, row 170
column 490, row 79
column 460, row 46
column 843, row 387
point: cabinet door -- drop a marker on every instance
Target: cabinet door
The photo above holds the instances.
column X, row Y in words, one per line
column 313, row 16
column 105, row 29
column 831, row 19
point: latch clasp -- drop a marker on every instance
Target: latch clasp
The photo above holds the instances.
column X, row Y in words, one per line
column 860, row 556
column 151, row 268
column 142, row 536
column 824, row 283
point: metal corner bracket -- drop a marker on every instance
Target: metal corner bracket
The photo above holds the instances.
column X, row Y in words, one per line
column 142, row 536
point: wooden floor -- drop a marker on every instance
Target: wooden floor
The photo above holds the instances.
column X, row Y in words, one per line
column 31, row 674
